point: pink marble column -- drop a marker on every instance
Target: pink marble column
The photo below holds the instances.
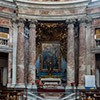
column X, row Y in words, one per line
column 82, row 55
column 32, row 53
column 20, row 53
column 70, row 55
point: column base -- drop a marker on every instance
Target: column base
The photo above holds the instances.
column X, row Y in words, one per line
column 22, row 85
column 70, row 89
column 11, row 85
column 19, row 85
column 81, row 87
column 30, row 86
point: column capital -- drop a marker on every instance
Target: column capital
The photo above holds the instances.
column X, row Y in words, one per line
column 21, row 22
column 33, row 23
column 14, row 20
column 85, row 20
column 70, row 21
column 70, row 25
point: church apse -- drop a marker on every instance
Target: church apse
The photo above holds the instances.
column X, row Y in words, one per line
column 51, row 50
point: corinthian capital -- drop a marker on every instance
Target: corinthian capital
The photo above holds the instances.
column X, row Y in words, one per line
column 33, row 23
column 85, row 20
column 21, row 22
column 70, row 21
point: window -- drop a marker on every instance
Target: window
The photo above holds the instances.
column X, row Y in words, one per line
column 97, row 36
column 4, row 32
column 4, row 35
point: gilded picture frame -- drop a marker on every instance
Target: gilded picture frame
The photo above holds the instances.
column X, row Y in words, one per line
column 50, row 56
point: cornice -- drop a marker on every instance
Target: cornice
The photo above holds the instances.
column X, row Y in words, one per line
column 5, row 49
column 8, row 4
column 94, row 4
column 7, row 15
column 95, row 50
column 67, row 4
column 52, row 3
column 51, row 17
column 94, row 15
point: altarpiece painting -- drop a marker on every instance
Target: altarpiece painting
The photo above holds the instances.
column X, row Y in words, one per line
column 50, row 56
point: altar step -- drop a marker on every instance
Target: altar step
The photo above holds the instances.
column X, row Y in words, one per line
column 49, row 96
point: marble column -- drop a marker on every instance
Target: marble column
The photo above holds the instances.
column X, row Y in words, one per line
column 20, row 54
column 70, row 55
column 32, row 53
column 88, row 48
column 82, row 53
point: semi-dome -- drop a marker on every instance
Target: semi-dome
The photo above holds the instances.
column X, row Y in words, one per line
column 48, row 0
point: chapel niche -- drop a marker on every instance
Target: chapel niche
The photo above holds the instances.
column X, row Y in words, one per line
column 52, row 38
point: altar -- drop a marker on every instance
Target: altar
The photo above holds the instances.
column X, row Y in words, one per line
column 51, row 83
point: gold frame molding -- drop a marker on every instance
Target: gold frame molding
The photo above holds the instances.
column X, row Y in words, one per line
column 41, row 56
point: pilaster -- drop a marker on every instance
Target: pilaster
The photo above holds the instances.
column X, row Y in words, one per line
column 15, row 35
column 10, row 56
